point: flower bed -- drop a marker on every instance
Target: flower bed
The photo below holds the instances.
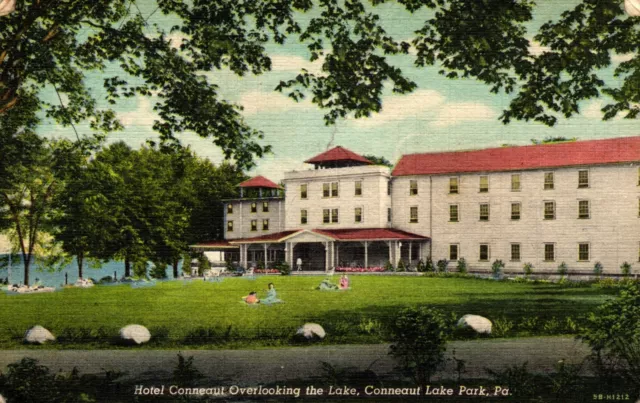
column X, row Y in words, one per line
column 266, row 271
column 360, row 269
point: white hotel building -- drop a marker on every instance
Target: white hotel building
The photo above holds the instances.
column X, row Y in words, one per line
column 575, row 202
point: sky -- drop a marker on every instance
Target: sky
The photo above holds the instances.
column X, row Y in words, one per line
column 441, row 114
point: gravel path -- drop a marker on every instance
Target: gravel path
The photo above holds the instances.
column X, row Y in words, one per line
column 277, row 365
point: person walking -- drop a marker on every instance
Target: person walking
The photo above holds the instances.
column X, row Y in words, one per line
column 299, row 264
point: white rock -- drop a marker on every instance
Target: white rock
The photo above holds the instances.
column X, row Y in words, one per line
column 310, row 330
column 477, row 323
column 632, row 7
column 38, row 335
column 7, row 7
column 82, row 283
column 2, row 399
column 135, row 333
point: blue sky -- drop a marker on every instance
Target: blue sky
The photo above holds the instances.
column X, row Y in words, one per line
column 441, row 114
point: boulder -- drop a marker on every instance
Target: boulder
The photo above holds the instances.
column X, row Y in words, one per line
column 2, row 399
column 135, row 334
column 82, row 283
column 38, row 335
column 311, row 330
column 478, row 323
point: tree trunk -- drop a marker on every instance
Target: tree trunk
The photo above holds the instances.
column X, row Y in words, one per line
column 27, row 263
column 127, row 267
column 80, row 258
column 175, row 268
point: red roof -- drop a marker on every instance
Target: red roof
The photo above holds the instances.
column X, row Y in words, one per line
column 337, row 154
column 592, row 152
column 369, row 234
column 275, row 237
column 259, row 182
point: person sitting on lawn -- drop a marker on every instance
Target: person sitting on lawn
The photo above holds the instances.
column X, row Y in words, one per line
column 344, row 282
column 326, row 284
column 252, row 298
column 272, row 297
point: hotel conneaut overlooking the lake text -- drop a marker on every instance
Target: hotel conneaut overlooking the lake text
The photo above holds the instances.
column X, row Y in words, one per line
column 573, row 202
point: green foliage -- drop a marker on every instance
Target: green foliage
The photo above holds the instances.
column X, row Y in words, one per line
column 159, row 271
column 527, row 268
column 442, row 265
column 185, row 373
column 522, row 383
column 401, row 266
column 502, row 327
column 140, row 269
column 420, row 267
column 284, row 267
column 597, row 269
column 563, row 269
column 378, row 160
column 552, row 139
column 260, row 265
column 388, row 266
column 204, row 264
column 625, row 268
column 429, row 267
column 496, row 268
column 419, row 337
column 462, row 266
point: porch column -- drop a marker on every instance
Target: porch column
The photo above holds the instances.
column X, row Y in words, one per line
column 326, row 256
column 391, row 254
column 337, row 255
column 398, row 254
column 286, row 253
column 266, row 260
column 366, row 254
column 410, row 244
column 333, row 255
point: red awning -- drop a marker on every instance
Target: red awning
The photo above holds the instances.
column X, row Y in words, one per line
column 369, row 234
column 259, row 182
column 337, row 154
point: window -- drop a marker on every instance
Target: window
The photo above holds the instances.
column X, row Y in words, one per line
column 484, row 184
column 638, row 207
column 334, row 215
column 548, row 180
column 583, row 209
column 484, row 212
column 229, row 226
column 413, row 214
column 515, row 211
column 484, row 252
column 254, row 207
column 303, row 191
column 388, row 214
column 303, row 216
column 265, row 207
column 453, row 213
column 549, row 210
column 358, row 190
column 413, row 187
column 229, row 208
column 265, row 224
column 389, row 188
column 515, row 252
column 453, row 185
column 326, row 216
column 583, row 252
column 549, row 252
column 254, row 225
column 639, row 176
column 583, row 178
column 453, row 251
column 358, row 214
column 326, row 189
column 515, row 182
column 334, row 189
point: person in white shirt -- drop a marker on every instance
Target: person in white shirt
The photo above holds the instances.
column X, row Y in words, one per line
column 299, row 264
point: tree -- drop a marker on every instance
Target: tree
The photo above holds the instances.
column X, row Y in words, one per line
column 378, row 160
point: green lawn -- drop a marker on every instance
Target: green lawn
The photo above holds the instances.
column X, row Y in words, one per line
column 211, row 314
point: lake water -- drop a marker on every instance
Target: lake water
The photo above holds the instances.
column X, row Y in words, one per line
column 55, row 279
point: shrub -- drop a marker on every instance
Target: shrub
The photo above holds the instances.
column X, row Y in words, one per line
column 419, row 337
column 284, row 268
column 496, row 268
column 501, row 327
column 625, row 268
column 563, row 269
column 462, row 266
column 401, row 266
column 442, row 265
column 428, row 266
column 597, row 269
column 260, row 265
column 185, row 373
column 421, row 267
column 388, row 266
column 527, row 268
column 521, row 382
column 203, row 264
column 140, row 269
column 159, row 271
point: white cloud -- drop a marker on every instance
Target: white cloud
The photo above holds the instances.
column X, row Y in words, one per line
column 536, row 49
column 458, row 112
column 273, row 167
column 142, row 115
column 400, row 107
column 255, row 102
column 625, row 57
column 593, row 110
column 176, row 39
column 295, row 63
